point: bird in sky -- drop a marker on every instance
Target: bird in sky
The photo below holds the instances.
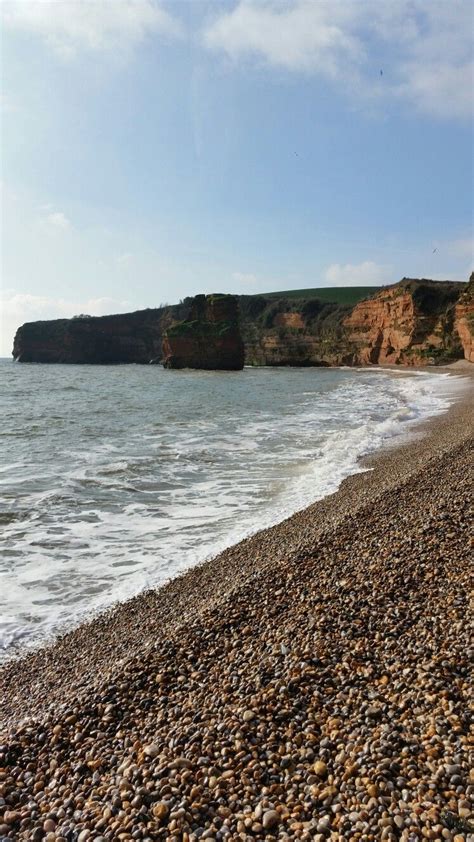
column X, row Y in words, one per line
column 381, row 72
column 434, row 250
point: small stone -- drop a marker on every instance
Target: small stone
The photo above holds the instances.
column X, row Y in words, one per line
column 320, row 768
column 270, row 819
column 49, row 826
column 160, row 810
column 11, row 817
column 151, row 750
column 248, row 715
column 181, row 763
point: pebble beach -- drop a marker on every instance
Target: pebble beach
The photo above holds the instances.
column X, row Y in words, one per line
column 313, row 682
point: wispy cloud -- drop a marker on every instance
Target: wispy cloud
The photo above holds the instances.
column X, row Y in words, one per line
column 57, row 219
column 426, row 47
column 245, row 279
column 71, row 26
column 124, row 260
column 367, row 273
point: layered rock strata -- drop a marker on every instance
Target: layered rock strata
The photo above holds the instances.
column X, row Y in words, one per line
column 410, row 323
column 209, row 339
column 128, row 338
column 414, row 322
column 464, row 320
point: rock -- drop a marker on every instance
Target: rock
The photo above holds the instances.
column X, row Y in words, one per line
column 412, row 322
column 159, row 688
column 11, row 817
column 123, row 338
column 151, row 750
column 209, row 339
column 160, row 810
column 180, row 763
column 270, row 819
column 320, row 769
column 406, row 323
column 464, row 320
column 49, row 826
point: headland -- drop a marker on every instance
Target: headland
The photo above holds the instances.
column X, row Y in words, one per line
column 413, row 322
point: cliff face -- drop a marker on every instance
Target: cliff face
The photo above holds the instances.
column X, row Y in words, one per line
column 414, row 322
column 410, row 323
column 294, row 332
column 127, row 338
column 208, row 339
column 464, row 320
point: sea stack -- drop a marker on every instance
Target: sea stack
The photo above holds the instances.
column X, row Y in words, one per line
column 209, row 338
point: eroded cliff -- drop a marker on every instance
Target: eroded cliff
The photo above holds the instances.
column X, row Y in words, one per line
column 128, row 338
column 464, row 320
column 410, row 323
column 294, row 332
column 414, row 322
column 208, row 339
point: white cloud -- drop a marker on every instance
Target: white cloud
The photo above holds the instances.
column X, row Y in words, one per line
column 124, row 260
column 245, row 279
column 69, row 26
column 304, row 36
column 424, row 48
column 367, row 273
column 17, row 308
column 57, row 219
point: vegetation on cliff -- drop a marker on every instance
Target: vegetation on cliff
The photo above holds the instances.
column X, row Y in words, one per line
column 209, row 339
column 335, row 295
column 417, row 321
column 464, row 320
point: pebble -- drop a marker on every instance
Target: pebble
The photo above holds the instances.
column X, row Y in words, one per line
column 270, row 819
column 320, row 694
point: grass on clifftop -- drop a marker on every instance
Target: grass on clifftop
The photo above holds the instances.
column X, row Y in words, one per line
column 338, row 295
column 198, row 328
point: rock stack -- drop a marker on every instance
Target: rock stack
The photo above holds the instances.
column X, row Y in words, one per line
column 209, row 339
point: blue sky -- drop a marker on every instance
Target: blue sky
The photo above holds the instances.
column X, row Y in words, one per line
column 153, row 150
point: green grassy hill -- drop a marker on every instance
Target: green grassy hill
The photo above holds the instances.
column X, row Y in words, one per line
column 339, row 295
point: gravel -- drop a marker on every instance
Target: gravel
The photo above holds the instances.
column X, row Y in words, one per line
column 311, row 683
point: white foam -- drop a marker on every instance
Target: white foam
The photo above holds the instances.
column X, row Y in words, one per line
column 109, row 514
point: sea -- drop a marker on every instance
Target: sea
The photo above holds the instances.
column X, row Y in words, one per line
column 114, row 479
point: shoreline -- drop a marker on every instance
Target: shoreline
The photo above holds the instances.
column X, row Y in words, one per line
column 310, row 682
column 240, row 561
column 400, row 431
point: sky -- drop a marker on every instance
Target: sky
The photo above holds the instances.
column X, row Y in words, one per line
column 152, row 150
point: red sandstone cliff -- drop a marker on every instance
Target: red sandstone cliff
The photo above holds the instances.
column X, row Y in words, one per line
column 464, row 320
column 410, row 323
column 418, row 322
column 209, row 339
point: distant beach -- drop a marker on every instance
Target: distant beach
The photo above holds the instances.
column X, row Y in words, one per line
column 311, row 682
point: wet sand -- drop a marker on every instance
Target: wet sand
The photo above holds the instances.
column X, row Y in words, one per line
column 311, row 682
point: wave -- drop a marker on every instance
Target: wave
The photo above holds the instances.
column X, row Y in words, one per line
column 105, row 511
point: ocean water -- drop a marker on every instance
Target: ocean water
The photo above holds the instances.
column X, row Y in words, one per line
column 115, row 479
